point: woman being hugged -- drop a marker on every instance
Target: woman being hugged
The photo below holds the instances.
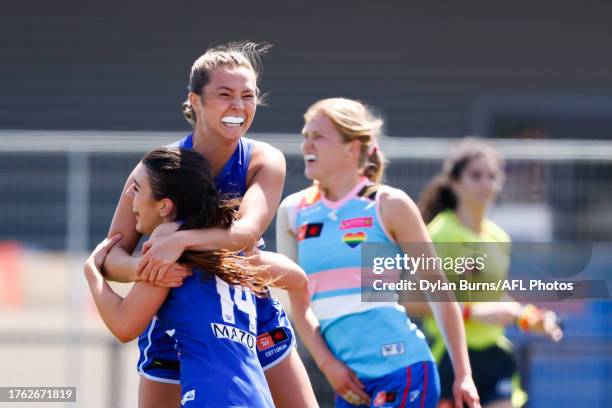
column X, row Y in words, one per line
column 221, row 105
column 212, row 316
column 370, row 352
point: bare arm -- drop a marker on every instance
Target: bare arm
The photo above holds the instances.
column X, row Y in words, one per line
column 285, row 273
column 527, row 317
column 286, row 243
column 403, row 220
column 306, row 323
column 125, row 318
column 120, row 265
column 266, row 176
column 497, row 313
column 505, row 312
column 257, row 208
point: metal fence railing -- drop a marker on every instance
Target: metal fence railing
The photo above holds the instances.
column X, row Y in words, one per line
column 51, row 180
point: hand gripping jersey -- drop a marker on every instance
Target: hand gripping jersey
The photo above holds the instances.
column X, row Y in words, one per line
column 372, row 338
column 158, row 358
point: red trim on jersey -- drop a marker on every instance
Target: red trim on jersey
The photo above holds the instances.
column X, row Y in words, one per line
column 424, row 393
column 408, row 381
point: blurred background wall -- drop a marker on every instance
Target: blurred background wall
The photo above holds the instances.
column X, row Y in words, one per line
column 435, row 69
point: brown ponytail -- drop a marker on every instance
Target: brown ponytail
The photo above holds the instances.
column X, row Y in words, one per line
column 374, row 167
column 437, row 197
column 185, row 178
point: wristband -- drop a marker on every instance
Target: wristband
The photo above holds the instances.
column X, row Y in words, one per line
column 527, row 313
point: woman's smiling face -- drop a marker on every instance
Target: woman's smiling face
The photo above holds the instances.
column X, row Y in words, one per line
column 323, row 149
column 149, row 211
column 228, row 103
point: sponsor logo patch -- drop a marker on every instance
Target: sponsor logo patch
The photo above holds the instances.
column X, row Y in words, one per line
column 271, row 338
column 393, row 349
column 264, row 342
column 353, row 239
column 188, row 396
column 361, row 222
column 414, row 395
column 224, row 331
column 384, row 397
column 309, row 231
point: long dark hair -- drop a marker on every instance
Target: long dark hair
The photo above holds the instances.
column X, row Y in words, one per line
column 438, row 194
column 185, row 177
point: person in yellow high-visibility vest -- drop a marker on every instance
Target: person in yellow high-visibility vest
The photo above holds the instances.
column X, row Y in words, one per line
column 454, row 206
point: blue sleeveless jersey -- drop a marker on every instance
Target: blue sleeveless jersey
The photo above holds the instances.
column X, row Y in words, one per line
column 231, row 180
column 273, row 333
column 372, row 338
column 215, row 328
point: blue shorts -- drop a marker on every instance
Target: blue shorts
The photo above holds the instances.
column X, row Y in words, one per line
column 417, row 385
column 159, row 359
column 275, row 336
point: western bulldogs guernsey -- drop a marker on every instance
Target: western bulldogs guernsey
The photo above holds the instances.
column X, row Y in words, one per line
column 158, row 357
column 372, row 338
